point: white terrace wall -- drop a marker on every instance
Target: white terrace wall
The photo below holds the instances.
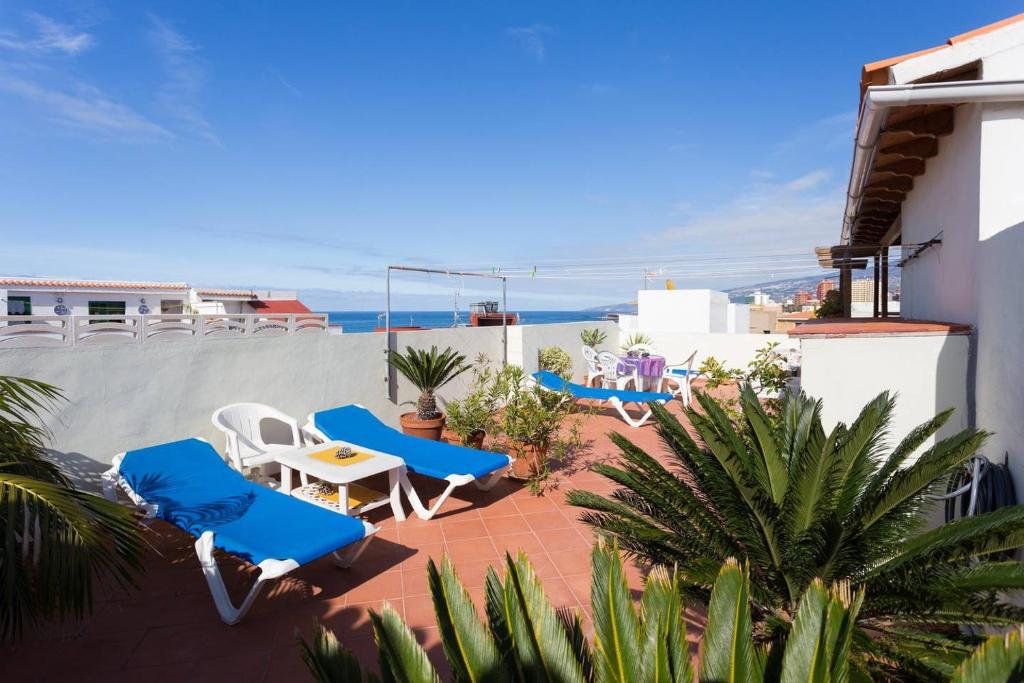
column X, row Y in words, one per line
column 734, row 350
column 526, row 341
column 928, row 373
column 122, row 397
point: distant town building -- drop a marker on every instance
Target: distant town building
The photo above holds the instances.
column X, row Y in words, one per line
column 759, row 298
column 824, row 287
column 862, row 290
column 802, row 297
column 37, row 296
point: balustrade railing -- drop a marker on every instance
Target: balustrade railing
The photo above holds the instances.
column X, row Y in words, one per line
column 81, row 330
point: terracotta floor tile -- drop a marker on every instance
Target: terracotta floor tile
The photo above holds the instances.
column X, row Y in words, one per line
column 571, row 561
column 542, row 521
column 471, row 549
column 510, row 524
column 498, row 508
column 556, row 540
column 168, row 629
column 530, row 503
column 579, row 584
column 456, row 530
column 525, row 540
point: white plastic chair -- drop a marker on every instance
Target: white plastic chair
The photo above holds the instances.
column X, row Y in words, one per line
column 593, row 367
column 247, row 449
column 681, row 374
column 613, row 378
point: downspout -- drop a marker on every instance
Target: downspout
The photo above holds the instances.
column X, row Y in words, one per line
column 880, row 98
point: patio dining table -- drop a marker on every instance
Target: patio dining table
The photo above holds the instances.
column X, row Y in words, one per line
column 648, row 368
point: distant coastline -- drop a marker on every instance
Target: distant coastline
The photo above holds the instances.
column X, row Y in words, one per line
column 366, row 321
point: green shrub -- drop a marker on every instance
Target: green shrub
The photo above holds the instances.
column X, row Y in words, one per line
column 796, row 503
column 556, row 360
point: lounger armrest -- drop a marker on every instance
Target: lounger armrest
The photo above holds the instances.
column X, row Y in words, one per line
column 112, row 480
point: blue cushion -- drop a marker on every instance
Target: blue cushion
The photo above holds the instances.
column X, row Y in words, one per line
column 197, row 491
column 683, row 372
column 552, row 381
column 423, row 456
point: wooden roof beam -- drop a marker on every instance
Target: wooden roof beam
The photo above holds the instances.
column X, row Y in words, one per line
column 935, row 124
column 915, row 148
column 904, row 167
column 884, row 195
column 889, row 183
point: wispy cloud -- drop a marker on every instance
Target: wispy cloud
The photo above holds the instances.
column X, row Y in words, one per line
column 285, row 236
column 185, row 77
column 51, row 36
column 809, row 181
column 284, row 82
column 798, row 213
column 531, row 38
column 86, row 108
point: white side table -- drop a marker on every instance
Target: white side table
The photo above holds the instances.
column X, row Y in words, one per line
column 344, row 476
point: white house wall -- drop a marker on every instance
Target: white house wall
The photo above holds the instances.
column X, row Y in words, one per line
column 939, row 284
column 1000, row 286
column 928, row 372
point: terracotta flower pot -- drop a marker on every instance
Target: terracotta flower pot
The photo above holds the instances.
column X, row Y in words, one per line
column 475, row 440
column 528, row 459
column 425, row 429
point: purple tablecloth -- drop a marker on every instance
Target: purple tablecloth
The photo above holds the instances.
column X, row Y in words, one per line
column 649, row 366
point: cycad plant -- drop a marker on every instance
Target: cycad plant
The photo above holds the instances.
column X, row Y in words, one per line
column 525, row 639
column 800, row 505
column 428, row 371
column 54, row 539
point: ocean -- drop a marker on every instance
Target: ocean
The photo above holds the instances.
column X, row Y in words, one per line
column 366, row 321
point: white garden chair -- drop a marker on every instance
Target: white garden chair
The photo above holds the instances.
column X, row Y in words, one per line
column 593, row 367
column 612, row 377
column 681, row 375
column 245, row 427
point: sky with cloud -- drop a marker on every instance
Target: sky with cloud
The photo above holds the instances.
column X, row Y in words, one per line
column 308, row 145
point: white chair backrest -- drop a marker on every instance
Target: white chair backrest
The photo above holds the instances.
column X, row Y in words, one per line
column 244, row 419
column 590, row 355
column 689, row 361
column 609, row 364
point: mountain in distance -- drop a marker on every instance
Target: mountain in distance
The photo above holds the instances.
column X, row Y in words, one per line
column 779, row 290
column 625, row 307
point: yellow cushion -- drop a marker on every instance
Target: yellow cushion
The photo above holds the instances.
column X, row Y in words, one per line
column 328, row 455
column 358, row 495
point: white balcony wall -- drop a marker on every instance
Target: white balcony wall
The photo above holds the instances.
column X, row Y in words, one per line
column 734, row 350
column 928, row 372
column 526, row 341
column 127, row 396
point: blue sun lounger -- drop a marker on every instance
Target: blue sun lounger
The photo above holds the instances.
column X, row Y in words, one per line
column 187, row 484
column 617, row 398
column 457, row 465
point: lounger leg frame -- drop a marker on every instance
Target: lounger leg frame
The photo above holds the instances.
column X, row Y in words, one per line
column 616, row 403
column 229, row 614
column 454, row 481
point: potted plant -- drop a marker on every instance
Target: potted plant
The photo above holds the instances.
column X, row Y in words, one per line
column 593, row 338
column 530, row 421
column 428, row 371
column 636, row 339
column 469, row 419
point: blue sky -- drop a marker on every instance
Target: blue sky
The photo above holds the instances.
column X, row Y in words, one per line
column 306, row 145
